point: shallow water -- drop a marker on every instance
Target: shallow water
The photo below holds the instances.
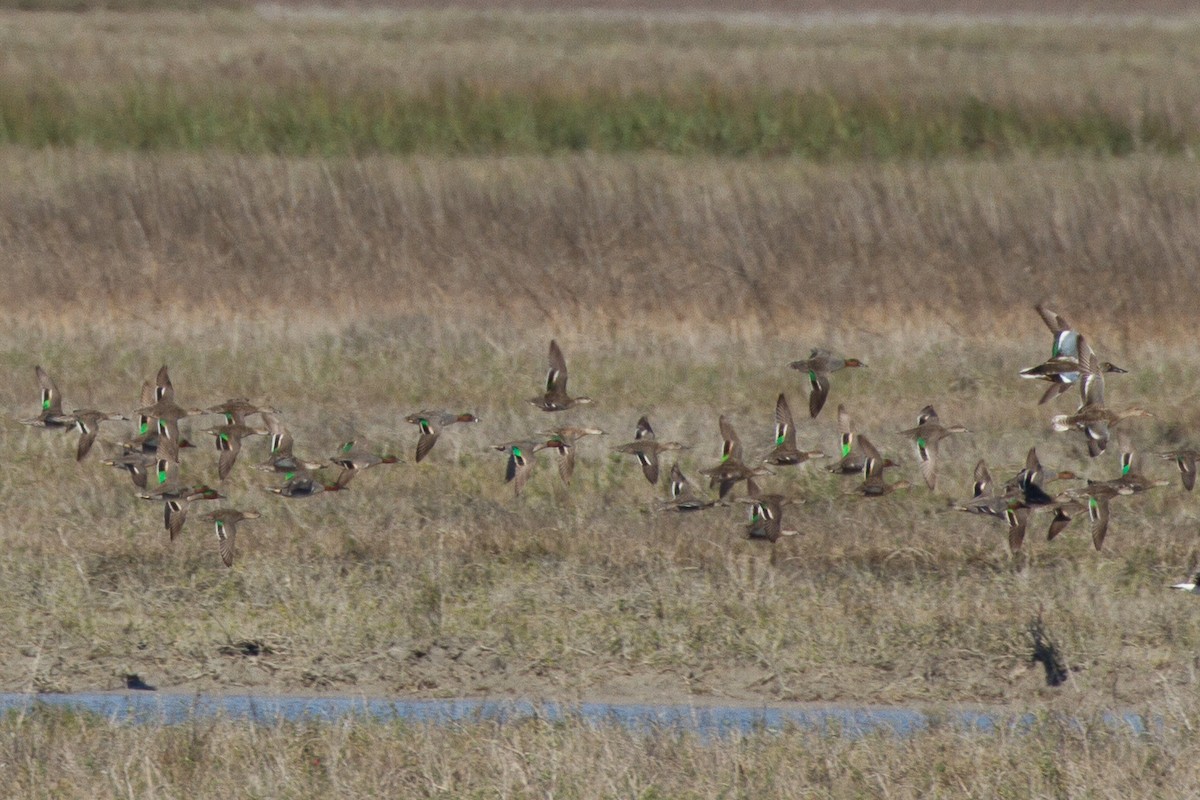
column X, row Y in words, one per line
column 851, row 721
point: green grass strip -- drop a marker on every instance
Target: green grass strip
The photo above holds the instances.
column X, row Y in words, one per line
column 322, row 119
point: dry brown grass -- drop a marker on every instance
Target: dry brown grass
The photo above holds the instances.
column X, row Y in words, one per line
column 825, row 250
column 778, row 11
column 52, row 754
column 1129, row 68
column 350, row 292
column 431, row 579
column 1122, row 57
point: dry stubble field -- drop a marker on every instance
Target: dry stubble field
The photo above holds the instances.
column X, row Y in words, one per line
column 354, row 289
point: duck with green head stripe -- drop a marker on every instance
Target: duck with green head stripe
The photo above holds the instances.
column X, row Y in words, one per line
column 431, row 424
column 819, row 365
column 522, row 458
column 229, row 444
column 354, row 459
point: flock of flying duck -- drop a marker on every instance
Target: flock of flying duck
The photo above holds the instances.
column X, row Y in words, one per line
column 151, row 455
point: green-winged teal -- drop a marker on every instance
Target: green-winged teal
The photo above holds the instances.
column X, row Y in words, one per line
column 163, row 389
column 134, row 461
column 785, row 452
column 51, row 414
column 165, row 414
column 168, row 487
column 87, row 422
column 987, row 499
column 1133, row 479
column 819, row 365
column 301, row 483
column 229, row 444
column 237, row 409
column 164, row 406
column 522, row 458
column 683, row 496
column 226, row 521
column 555, row 397
column 766, row 513
column 1185, row 460
column 730, row 470
column 851, row 457
column 873, row 484
column 1093, row 417
column 766, row 517
column 146, row 429
column 1030, row 481
column 1017, row 517
column 1093, row 498
column 431, row 424
column 925, row 436
column 564, row 440
column 1014, row 504
column 647, row 449
column 281, row 458
column 354, row 459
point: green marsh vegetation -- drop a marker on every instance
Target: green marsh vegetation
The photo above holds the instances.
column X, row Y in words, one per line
column 459, row 83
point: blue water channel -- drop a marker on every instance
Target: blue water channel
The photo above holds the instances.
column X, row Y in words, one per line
column 714, row 720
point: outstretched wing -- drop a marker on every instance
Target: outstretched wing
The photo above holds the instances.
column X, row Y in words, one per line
column 731, row 446
column 1098, row 514
column 785, row 428
column 51, row 397
column 556, row 378
column 818, row 382
column 225, row 541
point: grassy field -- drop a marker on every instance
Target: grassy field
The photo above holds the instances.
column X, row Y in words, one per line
column 462, row 83
column 51, row 754
column 350, row 277
column 456, row 587
column 640, row 242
